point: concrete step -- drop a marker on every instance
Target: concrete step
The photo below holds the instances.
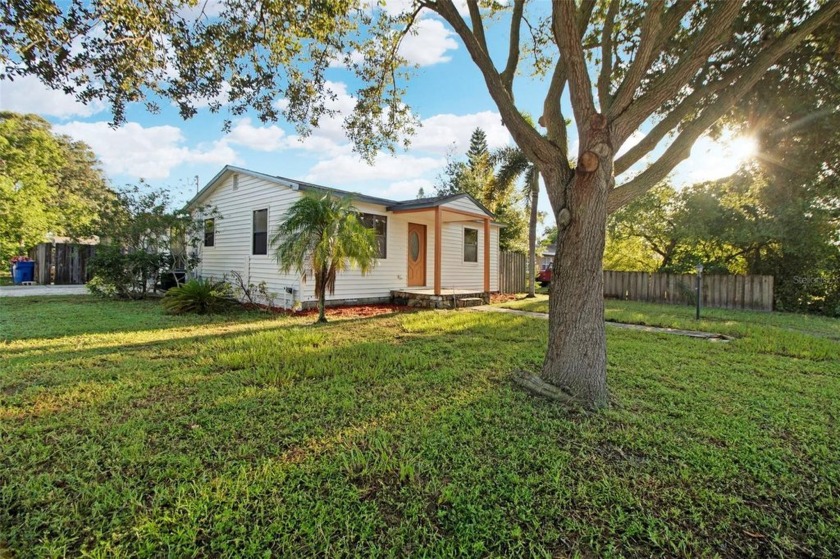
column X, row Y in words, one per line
column 470, row 302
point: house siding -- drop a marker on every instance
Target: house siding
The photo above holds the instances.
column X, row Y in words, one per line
column 232, row 250
column 457, row 274
column 465, row 205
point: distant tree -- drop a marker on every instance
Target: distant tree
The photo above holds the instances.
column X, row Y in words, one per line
column 323, row 235
column 421, row 193
column 48, row 184
column 477, row 177
column 735, row 225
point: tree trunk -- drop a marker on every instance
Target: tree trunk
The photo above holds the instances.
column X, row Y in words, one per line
column 322, row 301
column 534, row 183
column 576, row 359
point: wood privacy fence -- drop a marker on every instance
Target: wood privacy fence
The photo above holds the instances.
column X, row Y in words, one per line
column 727, row 292
column 513, row 270
column 62, row 263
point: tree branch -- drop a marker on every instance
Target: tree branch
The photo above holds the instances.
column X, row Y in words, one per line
column 536, row 148
column 477, row 24
column 718, row 29
column 605, row 77
column 513, row 47
column 648, row 40
column 567, row 37
column 669, row 123
column 680, row 148
column 553, row 118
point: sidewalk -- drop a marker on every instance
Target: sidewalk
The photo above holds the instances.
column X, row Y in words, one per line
column 41, row 290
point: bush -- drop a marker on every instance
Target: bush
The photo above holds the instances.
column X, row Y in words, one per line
column 199, row 296
column 124, row 274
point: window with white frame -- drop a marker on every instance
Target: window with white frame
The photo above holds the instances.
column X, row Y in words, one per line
column 470, row 245
column 259, row 244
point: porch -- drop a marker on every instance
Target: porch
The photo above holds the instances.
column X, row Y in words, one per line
column 443, row 212
column 426, row 297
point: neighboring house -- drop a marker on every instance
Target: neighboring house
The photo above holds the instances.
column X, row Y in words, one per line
column 547, row 257
column 436, row 247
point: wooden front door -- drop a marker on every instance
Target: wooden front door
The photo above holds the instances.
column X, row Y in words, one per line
column 416, row 255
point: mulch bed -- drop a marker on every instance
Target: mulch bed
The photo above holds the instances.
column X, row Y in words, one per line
column 358, row 311
column 350, row 311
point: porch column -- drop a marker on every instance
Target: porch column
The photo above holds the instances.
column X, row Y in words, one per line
column 487, row 255
column 438, row 235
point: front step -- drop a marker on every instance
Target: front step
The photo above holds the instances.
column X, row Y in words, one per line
column 470, row 302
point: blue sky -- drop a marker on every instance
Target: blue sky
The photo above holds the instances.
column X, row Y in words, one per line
column 447, row 94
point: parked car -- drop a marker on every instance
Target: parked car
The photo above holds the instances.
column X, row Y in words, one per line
column 544, row 277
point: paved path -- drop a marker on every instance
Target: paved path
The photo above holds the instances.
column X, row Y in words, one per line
column 40, row 290
column 690, row 333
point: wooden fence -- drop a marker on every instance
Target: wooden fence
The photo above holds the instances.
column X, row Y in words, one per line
column 62, row 263
column 727, row 292
column 513, row 270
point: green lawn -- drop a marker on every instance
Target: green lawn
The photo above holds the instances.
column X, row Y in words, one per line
column 128, row 433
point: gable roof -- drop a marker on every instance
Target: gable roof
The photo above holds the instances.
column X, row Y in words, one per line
column 390, row 205
column 434, row 201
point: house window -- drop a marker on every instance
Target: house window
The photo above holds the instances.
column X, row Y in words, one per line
column 260, row 228
column 470, row 245
column 209, row 232
column 379, row 224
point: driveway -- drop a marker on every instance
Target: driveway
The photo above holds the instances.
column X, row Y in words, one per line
column 40, row 290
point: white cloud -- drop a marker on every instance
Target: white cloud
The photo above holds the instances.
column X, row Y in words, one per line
column 441, row 132
column 407, row 189
column 141, row 152
column 429, row 43
column 349, row 169
column 28, row 95
column 259, row 138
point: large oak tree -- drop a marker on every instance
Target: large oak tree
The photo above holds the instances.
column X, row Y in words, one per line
column 672, row 68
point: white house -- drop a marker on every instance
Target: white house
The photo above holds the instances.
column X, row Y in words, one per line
column 432, row 249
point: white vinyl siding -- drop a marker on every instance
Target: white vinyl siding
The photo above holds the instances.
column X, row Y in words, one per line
column 465, row 205
column 234, row 230
column 457, row 274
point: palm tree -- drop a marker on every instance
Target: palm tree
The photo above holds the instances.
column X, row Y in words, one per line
column 323, row 234
column 514, row 164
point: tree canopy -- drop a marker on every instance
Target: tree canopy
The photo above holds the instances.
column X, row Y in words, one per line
column 48, row 184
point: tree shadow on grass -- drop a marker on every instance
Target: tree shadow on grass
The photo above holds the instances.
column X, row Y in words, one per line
column 401, row 435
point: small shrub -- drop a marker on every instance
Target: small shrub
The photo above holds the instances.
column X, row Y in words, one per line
column 199, row 296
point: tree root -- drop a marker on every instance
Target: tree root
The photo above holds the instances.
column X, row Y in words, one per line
column 535, row 385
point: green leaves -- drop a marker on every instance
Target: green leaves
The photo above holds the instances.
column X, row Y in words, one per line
column 48, row 184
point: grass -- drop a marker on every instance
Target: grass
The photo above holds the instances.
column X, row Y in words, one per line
column 127, row 432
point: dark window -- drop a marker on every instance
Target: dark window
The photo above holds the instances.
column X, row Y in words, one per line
column 209, row 232
column 470, row 245
column 379, row 224
column 260, row 244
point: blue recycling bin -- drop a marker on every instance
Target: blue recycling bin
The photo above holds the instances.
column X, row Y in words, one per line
column 23, row 271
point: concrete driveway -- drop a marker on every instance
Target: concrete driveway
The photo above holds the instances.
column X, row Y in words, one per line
column 41, row 290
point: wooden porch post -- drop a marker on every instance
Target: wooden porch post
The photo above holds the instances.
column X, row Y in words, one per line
column 486, row 255
column 438, row 235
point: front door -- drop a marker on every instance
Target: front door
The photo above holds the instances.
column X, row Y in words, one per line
column 416, row 255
